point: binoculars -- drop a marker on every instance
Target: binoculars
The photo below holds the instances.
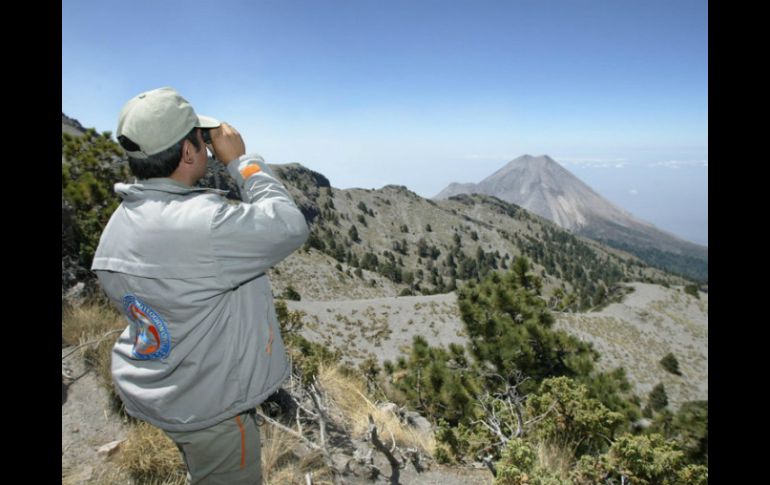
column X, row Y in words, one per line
column 206, row 136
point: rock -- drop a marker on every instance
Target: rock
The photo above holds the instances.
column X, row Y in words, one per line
column 217, row 177
column 304, row 185
column 643, row 423
column 418, row 422
column 360, row 464
column 75, row 127
column 389, row 407
column 109, row 448
column 76, row 295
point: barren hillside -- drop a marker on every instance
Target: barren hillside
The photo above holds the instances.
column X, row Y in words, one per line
column 635, row 334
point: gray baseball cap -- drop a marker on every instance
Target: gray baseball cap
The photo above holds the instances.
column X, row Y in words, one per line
column 157, row 119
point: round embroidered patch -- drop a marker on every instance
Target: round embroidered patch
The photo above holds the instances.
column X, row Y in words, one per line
column 152, row 339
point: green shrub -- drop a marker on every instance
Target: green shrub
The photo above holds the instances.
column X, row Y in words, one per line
column 290, row 321
column 353, row 234
column 642, row 460
column 509, row 325
column 670, row 363
column 91, row 165
column 691, row 428
column 570, row 417
column 517, row 461
column 466, row 442
column 615, row 392
column 519, row 465
column 658, row 399
column 291, row 294
column 688, row 427
column 428, row 384
column 307, row 356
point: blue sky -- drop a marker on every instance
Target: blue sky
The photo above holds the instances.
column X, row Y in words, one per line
column 423, row 93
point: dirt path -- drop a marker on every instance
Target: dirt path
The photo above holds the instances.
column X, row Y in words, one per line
column 87, row 423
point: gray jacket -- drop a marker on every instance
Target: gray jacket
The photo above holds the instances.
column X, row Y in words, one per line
column 187, row 269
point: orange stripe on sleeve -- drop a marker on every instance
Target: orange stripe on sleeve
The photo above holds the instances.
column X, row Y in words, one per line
column 250, row 170
column 243, row 442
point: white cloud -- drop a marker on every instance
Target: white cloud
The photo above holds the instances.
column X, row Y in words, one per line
column 633, row 192
column 594, row 162
column 677, row 164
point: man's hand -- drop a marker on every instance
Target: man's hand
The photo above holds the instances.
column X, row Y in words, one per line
column 227, row 143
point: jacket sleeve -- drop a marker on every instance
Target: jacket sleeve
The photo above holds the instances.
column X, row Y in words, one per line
column 251, row 237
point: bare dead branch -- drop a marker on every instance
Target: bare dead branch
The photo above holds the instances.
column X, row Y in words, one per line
column 542, row 416
column 395, row 465
column 299, row 423
column 327, row 456
column 519, row 422
column 315, row 394
column 92, row 342
column 307, row 411
column 290, row 431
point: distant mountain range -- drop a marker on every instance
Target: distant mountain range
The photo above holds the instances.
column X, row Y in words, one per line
column 541, row 185
column 366, row 243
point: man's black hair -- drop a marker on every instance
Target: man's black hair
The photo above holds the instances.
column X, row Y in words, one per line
column 161, row 164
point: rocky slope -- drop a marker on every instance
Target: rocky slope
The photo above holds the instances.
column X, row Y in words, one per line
column 635, row 334
column 424, row 246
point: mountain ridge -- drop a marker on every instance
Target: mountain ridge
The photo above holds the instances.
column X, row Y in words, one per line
column 375, row 243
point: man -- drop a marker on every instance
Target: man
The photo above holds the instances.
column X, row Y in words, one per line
column 187, row 269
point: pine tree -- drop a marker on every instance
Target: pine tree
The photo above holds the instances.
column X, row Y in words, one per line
column 670, row 363
column 510, row 327
column 291, row 294
column 658, row 399
column 353, row 234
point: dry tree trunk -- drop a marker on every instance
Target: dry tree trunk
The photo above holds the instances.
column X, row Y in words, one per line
column 395, row 465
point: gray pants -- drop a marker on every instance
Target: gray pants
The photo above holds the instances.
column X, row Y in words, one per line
column 228, row 453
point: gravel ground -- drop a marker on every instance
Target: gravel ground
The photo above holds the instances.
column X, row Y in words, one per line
column 87, row 423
